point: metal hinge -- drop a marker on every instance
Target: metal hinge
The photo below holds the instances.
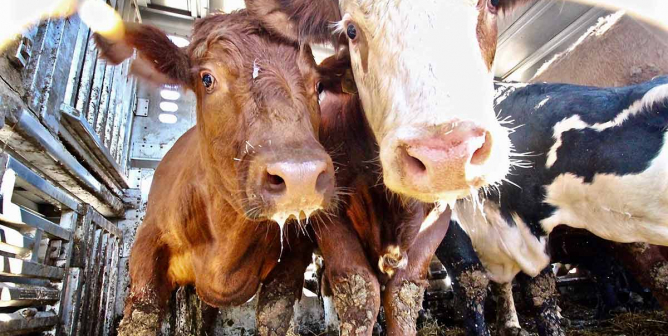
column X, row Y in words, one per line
column 23, row 51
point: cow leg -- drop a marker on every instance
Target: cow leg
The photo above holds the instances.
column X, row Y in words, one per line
column 283, row 287
column 469, row 281
column 506, row 316
column 648, row 265
column 539, row 292
column 404, row 292
column 352, row 280
column 150, row 287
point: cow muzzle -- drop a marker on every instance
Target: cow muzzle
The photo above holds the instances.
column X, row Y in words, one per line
column 295, row 188
column 446, row 163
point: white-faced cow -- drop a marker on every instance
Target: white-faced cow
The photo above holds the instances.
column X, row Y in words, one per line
column 253, row 159
column 596, row 159
column 423, row 69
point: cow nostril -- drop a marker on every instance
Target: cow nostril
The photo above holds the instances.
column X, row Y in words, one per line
column 481, row 155
column 323, row 182
column 274, row 183
column 413, row 164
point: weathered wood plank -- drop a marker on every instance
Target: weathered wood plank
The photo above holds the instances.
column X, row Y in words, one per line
column 26, row 320
column 18, row 267
column 18, row 295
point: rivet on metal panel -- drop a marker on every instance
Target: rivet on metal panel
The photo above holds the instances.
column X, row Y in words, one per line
column 142, row 107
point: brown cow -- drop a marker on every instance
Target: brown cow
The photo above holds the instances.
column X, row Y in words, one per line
column 377, row 240
column 253, row 157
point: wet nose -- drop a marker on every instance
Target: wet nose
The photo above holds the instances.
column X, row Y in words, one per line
column 295, row 186
column 451, row 159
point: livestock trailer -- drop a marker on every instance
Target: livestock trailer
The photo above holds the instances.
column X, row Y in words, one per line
column 80, row 140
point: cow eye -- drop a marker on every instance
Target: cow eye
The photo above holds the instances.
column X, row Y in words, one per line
column 494, row 4
column 208, row 81
column 351, row 31
column 319, row 87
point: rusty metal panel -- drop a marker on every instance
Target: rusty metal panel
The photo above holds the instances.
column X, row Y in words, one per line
column 111, row 288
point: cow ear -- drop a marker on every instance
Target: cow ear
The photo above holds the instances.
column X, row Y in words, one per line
column 302, row 21
column 158, row 61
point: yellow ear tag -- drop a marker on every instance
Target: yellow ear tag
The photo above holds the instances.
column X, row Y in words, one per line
column 102, row 19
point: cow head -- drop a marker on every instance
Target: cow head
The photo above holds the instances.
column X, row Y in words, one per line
column 423, row 69
column 257, row 111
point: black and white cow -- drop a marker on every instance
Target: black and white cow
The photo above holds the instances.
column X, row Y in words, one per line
column 591, row 158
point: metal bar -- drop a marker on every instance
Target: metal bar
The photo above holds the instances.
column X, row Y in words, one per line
column 10, row 324
column 28, row 137
column 111, row 127
column 80, row 259
column 85, row 154
column 105, row 288
column 113, row 280
column 106, row 225
column 18, row 295
column 15, row 242
column 89, row 282
column 123, row 108
column 45, row 62
column 78, row 64
column 87, row 75
column 34, row 257
column 105, row 93
column 13, row 266
column 96, row 281
column 95, row 91
column 31, row 221
column 52, row 97
column 41, row 184
column 80, row 126
column 125, row 150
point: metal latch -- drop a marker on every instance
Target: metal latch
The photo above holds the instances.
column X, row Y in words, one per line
column 22, row 55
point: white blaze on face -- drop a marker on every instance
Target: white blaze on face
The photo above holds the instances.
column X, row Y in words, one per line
column 419, row 67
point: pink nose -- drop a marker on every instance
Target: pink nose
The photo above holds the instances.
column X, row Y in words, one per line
column 299, row 185
column 446, row 160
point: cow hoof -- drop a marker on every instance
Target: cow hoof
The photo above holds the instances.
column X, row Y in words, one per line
column 512, row 331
